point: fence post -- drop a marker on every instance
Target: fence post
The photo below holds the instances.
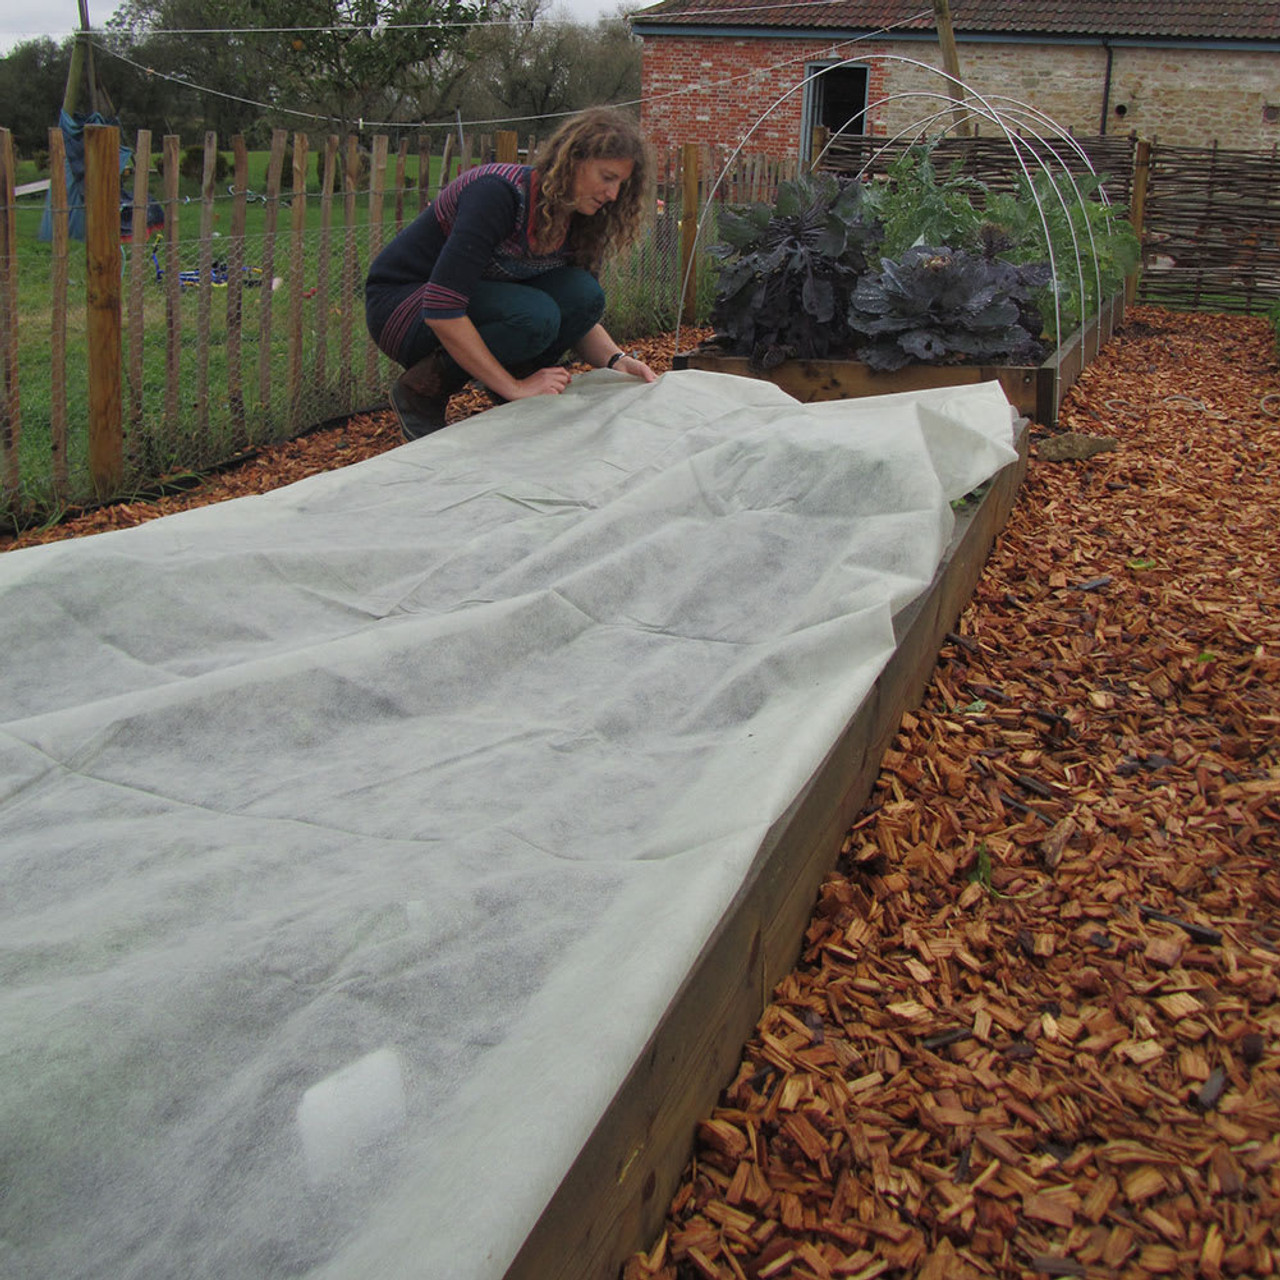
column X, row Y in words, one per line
column 172, row 287
column 818, row 145
column 507, row 146
column 347, row 279
column 235, row 292
column 377, row 192
column 297, row 291
column 446, row 163
column 323, row 301
column 10, row 417
column 103, row 305
column 137, row 270
column 690, row 155
column 60, row 218
column 1138, row 211
column 270, row 221
column 204, row 296
column 402, row 168
column 424, row 170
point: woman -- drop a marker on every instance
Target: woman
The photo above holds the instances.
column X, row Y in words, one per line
column 496, row 279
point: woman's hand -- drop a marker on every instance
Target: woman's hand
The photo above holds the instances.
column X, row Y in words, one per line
column 597, row 349
column 636, row 368
column 550, row 381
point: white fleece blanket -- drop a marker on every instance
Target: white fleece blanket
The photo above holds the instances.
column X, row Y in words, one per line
column 354, row 837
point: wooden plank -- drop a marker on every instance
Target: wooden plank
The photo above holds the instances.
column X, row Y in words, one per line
column 10, row 413
column 1036, row 391
column 139, row 270
column 235, row 294
column 347, row 276
column 1072, row 358
column 507, row 146
column 172, row 289
column 103, row 306
column 424, row 171
column 402, row 168
column 612, row 1201
column 377, row 195
column 204, row 290
column 59, row 218
column 297, row 244
column 446, row 162
column 275, row 170
column 327, row 180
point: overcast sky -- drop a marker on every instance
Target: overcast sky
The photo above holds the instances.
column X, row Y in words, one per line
column 26, row 19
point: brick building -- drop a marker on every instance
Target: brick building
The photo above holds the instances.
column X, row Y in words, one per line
column 1186, row 72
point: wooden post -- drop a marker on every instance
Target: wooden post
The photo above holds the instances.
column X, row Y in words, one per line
column 204, row 300
column 60, row 217
column 424, row 171
column 818, row 145
column 347, row 280
column 951, row 64
column 446, row 162
column 138, row 266
column 1138, row 210
column 402, row 167
column 172, row 286
column 377, row 191
column 10, row 412
column 275, row 166
column 235, row 292
column 690, row 156
column 297, row 283
column 103, row 305
column 323, row 300
column 507, row 146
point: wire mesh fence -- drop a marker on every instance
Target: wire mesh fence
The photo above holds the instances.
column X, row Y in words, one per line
column 240, row 305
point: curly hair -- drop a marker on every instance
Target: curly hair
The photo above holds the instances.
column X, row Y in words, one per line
column 599, row 133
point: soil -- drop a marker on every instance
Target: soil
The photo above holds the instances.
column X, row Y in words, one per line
column 1035, row 1027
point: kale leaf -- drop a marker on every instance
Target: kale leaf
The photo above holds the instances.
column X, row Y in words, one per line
column 790, row 272
column 938, row 305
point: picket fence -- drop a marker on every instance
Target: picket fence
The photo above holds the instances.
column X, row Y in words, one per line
column 170, row 354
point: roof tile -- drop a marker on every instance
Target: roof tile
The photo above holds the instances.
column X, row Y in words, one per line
column 1157, row 19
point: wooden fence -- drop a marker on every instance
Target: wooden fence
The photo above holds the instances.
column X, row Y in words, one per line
column 1209, row 218
column 194, row 347
column 217, row 339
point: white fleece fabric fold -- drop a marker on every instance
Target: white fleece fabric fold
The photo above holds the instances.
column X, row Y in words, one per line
column 354, row 837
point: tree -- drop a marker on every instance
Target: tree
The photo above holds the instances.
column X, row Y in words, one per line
column 32, row 80
column 531, row 67
column 342, row 60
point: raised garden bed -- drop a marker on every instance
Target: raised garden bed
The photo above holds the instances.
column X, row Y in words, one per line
column 1036, row 391
column 613, row 1198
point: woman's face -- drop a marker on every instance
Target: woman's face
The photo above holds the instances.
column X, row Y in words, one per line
column 597, row 183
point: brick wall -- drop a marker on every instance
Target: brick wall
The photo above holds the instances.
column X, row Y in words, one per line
column 717, row 89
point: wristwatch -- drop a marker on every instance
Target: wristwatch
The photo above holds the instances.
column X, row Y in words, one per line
column 613, row 359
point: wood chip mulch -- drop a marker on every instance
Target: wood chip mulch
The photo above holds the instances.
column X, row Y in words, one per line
column 1034, row 1030
column 361, row 436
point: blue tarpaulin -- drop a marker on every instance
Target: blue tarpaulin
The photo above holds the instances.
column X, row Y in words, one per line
column 73, row 128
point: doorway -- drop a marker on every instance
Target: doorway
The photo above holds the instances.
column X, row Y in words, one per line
column 835, row 100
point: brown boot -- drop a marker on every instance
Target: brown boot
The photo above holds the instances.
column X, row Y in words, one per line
column 420, row 395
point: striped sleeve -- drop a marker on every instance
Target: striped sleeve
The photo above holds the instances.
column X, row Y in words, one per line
column 485, row 214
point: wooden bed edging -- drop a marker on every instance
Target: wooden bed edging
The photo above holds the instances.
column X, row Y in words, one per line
column 612, row 1201
column 1036, row 391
